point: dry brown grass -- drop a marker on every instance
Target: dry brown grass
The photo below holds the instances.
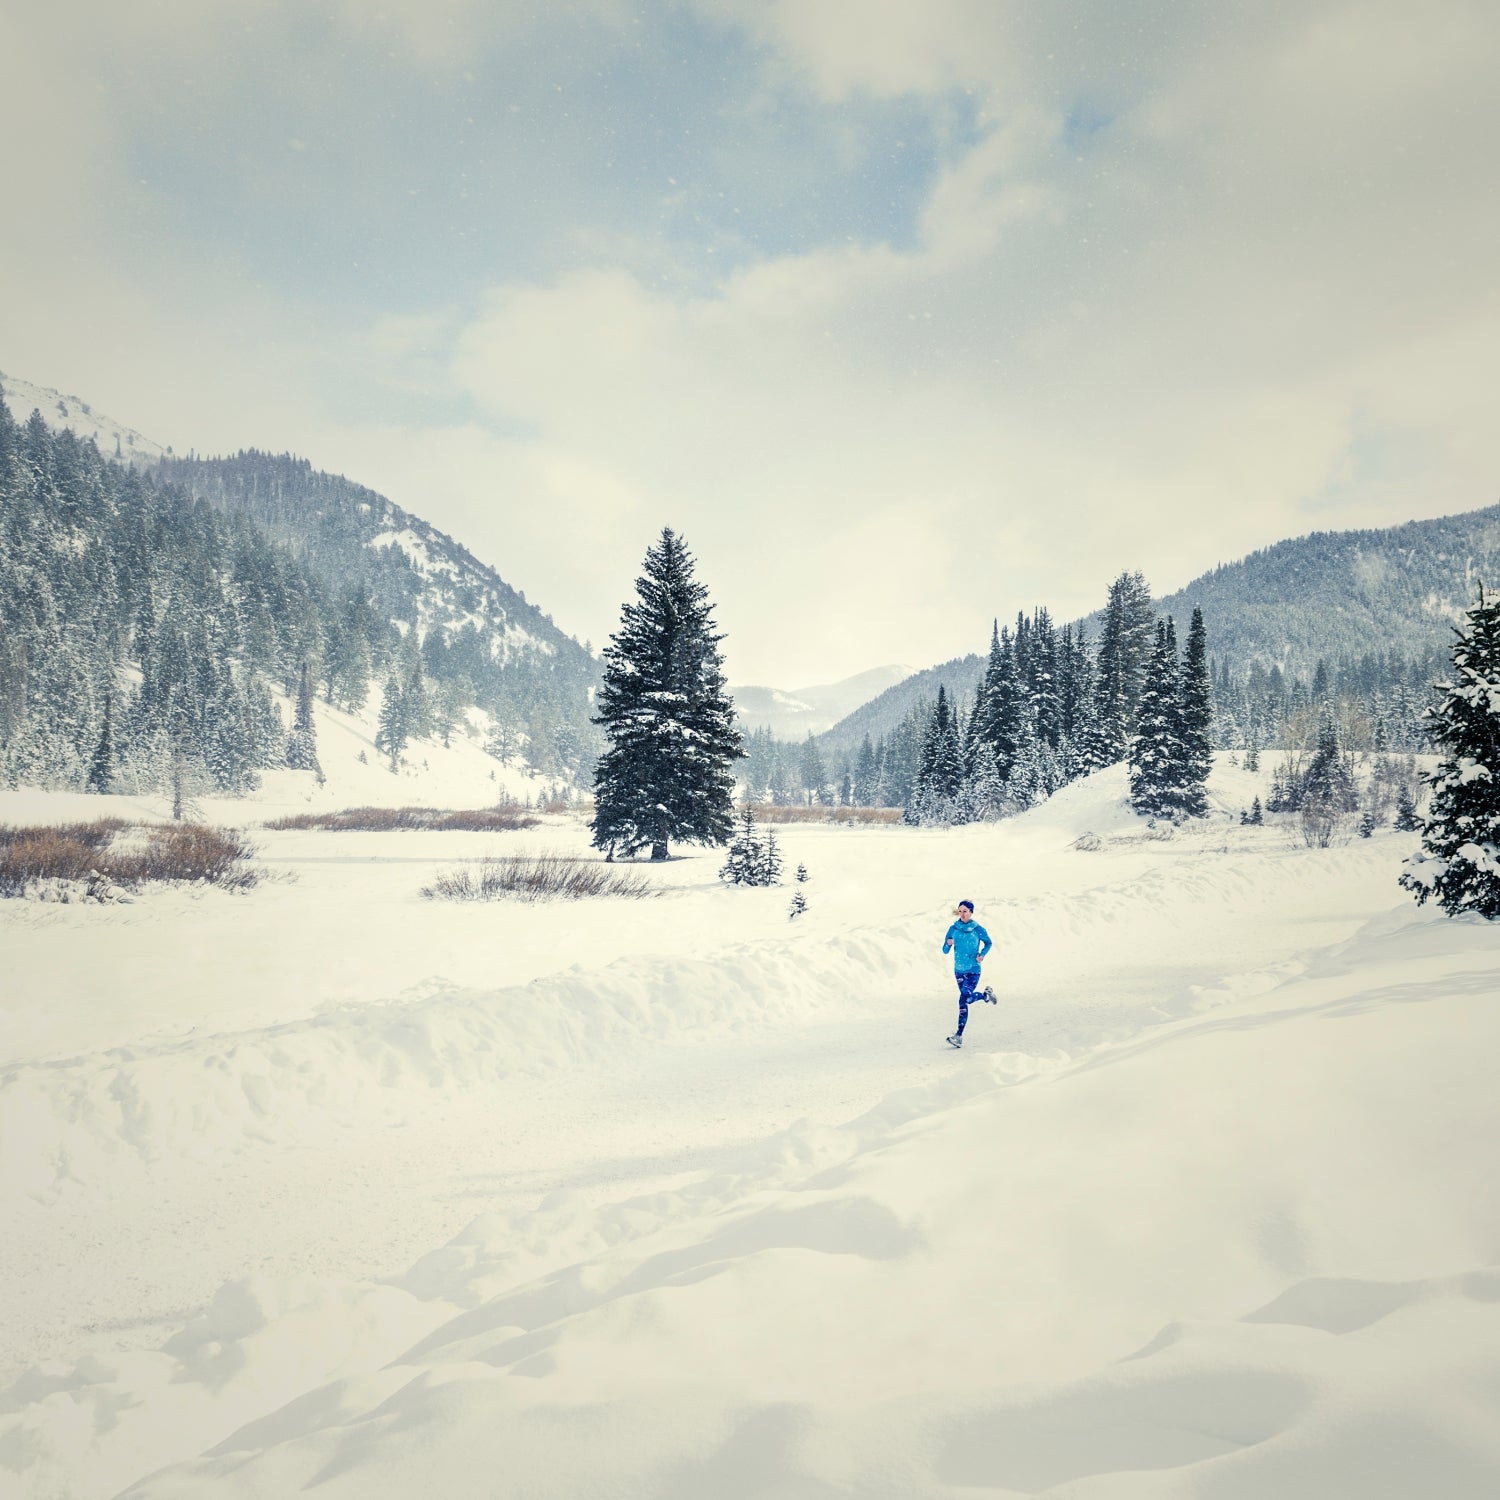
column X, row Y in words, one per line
column 397, row 819
column 853, row 817
column 537, row 877
column 93, row 857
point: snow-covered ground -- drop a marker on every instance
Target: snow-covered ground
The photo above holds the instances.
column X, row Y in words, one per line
column 323, row 1186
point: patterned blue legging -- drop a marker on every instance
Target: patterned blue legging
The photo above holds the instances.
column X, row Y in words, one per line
column 967, row 984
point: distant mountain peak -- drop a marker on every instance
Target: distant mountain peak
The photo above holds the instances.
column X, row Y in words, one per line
column 795, row 713
column 59, row 410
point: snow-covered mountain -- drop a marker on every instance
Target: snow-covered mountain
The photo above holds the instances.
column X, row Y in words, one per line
column 347, row 533
column 376, row 570
column 59, row 411
column 1331, row 596
column 811, row 710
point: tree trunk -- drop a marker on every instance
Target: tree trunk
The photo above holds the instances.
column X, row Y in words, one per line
column 659, row 849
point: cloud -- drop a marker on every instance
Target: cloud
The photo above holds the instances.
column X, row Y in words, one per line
column 1160, row 285
column 1233, row 310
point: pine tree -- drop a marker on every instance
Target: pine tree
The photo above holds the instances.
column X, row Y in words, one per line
column 1196, row 721
column 986, row 790
column 1080, row 707
column 768, row 864
column 1155, row 751
column 814, row 774
column 669, row 721
column 1125, row 654
column 1407, row 819
column 1328, row 783
column 1459, row 861
column 940, row 769
column 302, row 742
column 866, row 775
column 102, row 766
column 415, row 698
column 267, row 733
column 390, row 732
column 744, row 851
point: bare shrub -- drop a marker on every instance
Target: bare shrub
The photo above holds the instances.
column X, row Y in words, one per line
column 91, row 858
column 193, row 851
column 397, row 819
column 1323, row 820
column 537, row 877
column 857, row 817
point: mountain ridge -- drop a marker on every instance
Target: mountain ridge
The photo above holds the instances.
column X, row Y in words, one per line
column 1324, row 595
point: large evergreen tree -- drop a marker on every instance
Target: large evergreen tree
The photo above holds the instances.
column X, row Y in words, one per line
column 669, row 721
column 1459, row 862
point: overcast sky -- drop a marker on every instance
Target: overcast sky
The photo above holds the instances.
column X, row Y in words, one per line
column 904, row 314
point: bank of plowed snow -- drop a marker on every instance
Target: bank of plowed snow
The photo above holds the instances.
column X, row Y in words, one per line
column 687, row 1200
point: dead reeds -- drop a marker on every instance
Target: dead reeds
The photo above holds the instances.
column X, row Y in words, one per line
column 537, row 877
column 88, row 860
column 853, row 817
column 421, row 819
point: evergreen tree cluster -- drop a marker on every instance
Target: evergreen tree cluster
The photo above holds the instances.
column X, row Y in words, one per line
column 1049, row 709
column 140, row 629
column 1171, row 751
column 1379, row 701
column 400, row 578
column 1336, row 596
column 1359, row 616
column 145, row 615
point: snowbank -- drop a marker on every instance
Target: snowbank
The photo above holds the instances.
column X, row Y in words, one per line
column 1206, row 1207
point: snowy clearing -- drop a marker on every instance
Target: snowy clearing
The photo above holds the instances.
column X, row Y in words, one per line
column 324, row 1185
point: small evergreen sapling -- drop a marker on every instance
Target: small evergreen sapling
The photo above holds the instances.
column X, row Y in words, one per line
column 799, row 899
column 752, row 859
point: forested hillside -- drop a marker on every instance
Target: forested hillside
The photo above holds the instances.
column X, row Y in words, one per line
column 1367, row 612
column 142, row 625
column 476, row 631
column 1337, row 596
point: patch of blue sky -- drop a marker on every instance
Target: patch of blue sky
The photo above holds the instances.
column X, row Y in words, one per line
column 345, row 176
column 1083, row 122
